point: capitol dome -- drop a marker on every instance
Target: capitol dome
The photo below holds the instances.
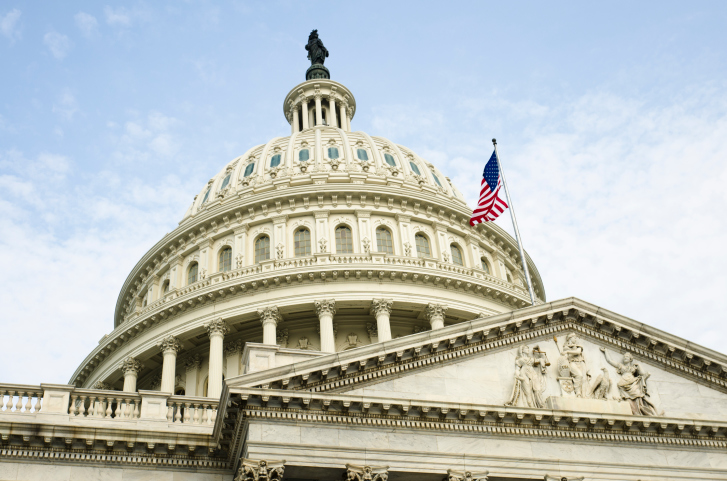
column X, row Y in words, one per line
column 320, row 241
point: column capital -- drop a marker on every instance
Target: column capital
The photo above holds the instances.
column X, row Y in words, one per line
column 233, row 348
column 192, row 362
column 435, row 310
column 251, row 470
column 371, row 473
column 131, row 366
column 453, row 475
column 380, row 306
column 170, row 344
column 217, row 326
column 102, row 386
column 325, row 306
column 269, row 315
column 242, row 228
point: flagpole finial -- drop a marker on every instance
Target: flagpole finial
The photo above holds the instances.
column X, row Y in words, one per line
column 494, row 141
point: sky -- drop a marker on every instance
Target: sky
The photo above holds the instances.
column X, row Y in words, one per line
column 611, row 123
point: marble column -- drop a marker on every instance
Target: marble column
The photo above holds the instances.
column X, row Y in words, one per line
column 216, row 330
column 131, row 368
column 435, row 315
column 319, row 110
column 381, row 309
column 332, row 111
column 344, row 125
column 296, row 125
column 192, row 365
column 270, row 317
column 325, row 310
column 304, row 104
column 170, row 346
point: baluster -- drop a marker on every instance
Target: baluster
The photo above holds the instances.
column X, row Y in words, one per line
column 195, row 419
column 109, row 407
column 2, row 400
column 207, row 414
column 28, row 402
column 186, row 412
column 38, row 398
column 170, row 412
column 136, row 408
column 83, row 405
column 127, row 409
column 18, row 402
column 214, row 414
column 178, row 413
column 72, row 408
column 93, row 406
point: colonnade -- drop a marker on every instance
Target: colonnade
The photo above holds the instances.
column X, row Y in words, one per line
column 337, row 109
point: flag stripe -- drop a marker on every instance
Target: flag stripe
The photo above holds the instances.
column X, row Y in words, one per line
column 490, row 205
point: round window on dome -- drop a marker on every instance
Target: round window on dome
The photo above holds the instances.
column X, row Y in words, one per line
column 275, row 160
column 414, row 168
column 249, row 169
column 436, row 179
column 362, row 154
column 303, row 155
column 225, row 181
column 390, row 160
column 332, row 153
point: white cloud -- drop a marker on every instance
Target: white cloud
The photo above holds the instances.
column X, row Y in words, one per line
column 119, row 17
column 58, row 44
column 86, row 23
column 9, row 24
column 144, row 137
column 66, row 106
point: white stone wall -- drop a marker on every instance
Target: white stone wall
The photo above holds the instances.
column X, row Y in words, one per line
column 11, row 471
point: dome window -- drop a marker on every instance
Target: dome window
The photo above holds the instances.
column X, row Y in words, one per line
column 249, row 169
column 165, row 287
column 456, row 255
column 262, row 249
column 275, row 160
column 332, row 153
column 226, row 259
column 414, row 168
column 485, row 267
column 192, row 273
column 225, row 181
column 422, row 244
column 344, row 240
column 384, row 242
column 302, row 243
column 206, row 196
column 303, row 155
column 362, row 154
column 436, row 179
column 390, row 160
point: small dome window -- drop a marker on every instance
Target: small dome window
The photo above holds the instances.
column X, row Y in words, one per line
column 249, row 169
column 436, row 179
column 332, row 153
column 206, row 196
column 225, row 181
column 390, row 160
column 422, row 244
column 304, row 155
column 192, row 273
column 456, row 255
column 262, row 249
column 485, row 267
column 384, row 242
column 302, row 243
column 344, row 240
column 165, row 287
column 414, row 168
column 226, row 259
column 275, row 160
column 362, row 154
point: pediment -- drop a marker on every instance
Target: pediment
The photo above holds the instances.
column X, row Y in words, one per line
column 476, row 362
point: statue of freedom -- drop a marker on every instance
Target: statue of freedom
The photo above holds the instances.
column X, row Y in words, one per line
column 317, row 53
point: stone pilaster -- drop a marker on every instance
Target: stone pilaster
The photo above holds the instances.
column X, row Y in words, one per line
column 269, row 317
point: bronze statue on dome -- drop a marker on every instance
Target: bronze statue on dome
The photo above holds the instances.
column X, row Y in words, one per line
column 317, row 53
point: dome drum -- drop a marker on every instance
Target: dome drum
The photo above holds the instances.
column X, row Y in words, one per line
column 319, row 102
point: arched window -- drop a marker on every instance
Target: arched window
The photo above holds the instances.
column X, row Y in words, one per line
column 302, row 242
column 344, row 240
column 383, row 241
column 226, row 259
column 249, row 169
column 165, row 287
column 390, row 160
column 422, row 244
column 262, row 249
column 485, row 266
column 456, row 255
column 206, row 196
column 414, row 168
column 275, row 160
column 192, row 273
column 303, row 155
column 362, row 154
column 332, row 153
column 225, row 181
column 436, row 179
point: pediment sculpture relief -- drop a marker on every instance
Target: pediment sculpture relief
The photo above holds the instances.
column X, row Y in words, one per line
column 632, row 385
column 530, row 378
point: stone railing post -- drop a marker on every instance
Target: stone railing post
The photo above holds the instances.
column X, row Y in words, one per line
column 325, row 310
column 381, row 309
column 269, row 317
column 131, row 368
column 169, row 346
column 435, row 314
column 216, row 330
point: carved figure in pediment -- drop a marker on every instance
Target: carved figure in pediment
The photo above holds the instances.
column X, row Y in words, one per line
column 251, row 470
column 453, row 475
column 632, row 385
column 366, row 473
column 530, row 381
column 572, row 367
column 601, row 387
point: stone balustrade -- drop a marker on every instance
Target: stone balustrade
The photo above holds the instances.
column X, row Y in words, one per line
column 19, row 398
column 191, row 410
column 104, row 404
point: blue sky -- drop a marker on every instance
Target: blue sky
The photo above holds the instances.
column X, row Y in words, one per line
column 611, row 122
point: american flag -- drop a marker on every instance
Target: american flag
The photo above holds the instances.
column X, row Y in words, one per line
column 490, row 206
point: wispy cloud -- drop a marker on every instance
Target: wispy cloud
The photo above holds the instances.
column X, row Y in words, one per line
column 86, row 23
column 125, row 17
column 66, row 106
column 58, row 44
column 9, row 25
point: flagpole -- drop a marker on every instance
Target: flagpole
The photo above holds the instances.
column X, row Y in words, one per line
column 514, row 225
